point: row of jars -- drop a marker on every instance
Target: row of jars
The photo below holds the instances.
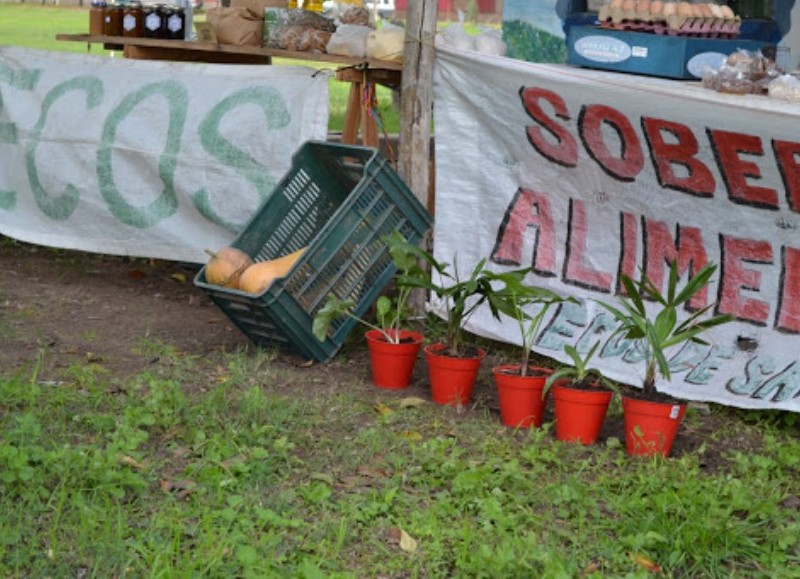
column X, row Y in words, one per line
column 137, row 20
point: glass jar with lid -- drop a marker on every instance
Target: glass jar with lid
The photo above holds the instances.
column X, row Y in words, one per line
column 133, row 20
column 167, row 11
column 97, row 18
column 112, row 23
column 152, row 20
column 176, row 21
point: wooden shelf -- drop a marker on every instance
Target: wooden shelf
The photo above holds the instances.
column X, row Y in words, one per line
column 190, row 50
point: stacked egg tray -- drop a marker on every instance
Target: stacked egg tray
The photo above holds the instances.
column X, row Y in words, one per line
column 707, row 20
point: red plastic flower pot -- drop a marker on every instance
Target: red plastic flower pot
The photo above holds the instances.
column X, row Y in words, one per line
column 579, row 414
column 393, row 363
column 521, row 402
column 452, row 379
column 651, row 427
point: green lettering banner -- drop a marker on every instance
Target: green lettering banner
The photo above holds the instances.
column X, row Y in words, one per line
column 145, row 158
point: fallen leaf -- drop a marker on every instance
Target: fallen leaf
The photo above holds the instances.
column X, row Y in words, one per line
column 130, row 461
column 412, row 402
column 53, row 383
column 407, row 542
column 306, row 364
column 181, row 488
column 411, row 435
column 321, row 476
column 381, row 408
column 591, row 568
column 179, row 277
column 372, row 472
column 136, row 274
column 92, row 358
column 116, row 389
column 236, row 459
column 349, row 482
column 791, row 502
column 645, row 562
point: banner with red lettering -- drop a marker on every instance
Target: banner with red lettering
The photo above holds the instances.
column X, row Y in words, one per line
column 584, row 175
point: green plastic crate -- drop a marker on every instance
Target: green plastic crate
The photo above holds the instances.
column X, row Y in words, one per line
column 338, row 200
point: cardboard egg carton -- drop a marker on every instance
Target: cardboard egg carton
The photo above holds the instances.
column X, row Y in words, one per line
column 707, row 20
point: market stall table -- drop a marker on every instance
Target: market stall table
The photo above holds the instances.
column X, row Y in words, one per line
column 359, row 72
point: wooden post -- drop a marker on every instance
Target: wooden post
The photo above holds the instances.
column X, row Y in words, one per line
column 416, row 97
column 416, row 110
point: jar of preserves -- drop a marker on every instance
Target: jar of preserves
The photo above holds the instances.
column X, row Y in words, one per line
column 152, row 21
column 97, row 18
column 291, row 4
column 176, row 22
column 313, row 5
column 167, row 11
column 112, row 23
column 133, row 20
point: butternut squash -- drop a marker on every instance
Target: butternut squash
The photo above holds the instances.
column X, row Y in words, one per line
column 260, row 275
column 225, row 266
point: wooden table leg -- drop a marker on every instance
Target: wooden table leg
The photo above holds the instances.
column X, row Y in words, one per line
column 358, row 115
column 352, row 116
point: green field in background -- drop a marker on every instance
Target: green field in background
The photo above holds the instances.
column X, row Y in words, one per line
column 37, row 26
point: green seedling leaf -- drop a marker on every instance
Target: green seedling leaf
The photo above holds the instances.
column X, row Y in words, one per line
column 661, row 330
column 333, row 309
column 382, row 307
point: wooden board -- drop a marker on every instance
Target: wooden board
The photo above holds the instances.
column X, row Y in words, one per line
column 204, row 51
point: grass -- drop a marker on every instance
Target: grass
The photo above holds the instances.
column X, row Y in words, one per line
column 36, row 26
column 176, row 473
column 255, row 468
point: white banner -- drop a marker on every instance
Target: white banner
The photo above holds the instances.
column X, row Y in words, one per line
column 145, row 158
column 585, row 175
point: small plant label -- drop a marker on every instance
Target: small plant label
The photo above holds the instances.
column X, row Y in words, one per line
column 673, row 414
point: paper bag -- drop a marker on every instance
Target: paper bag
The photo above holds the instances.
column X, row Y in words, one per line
column 236, row 25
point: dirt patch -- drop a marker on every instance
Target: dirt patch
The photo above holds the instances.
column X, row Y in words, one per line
column 74, row 307
column 68, row 308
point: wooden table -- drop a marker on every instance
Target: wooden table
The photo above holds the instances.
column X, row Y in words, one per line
column 358, row 72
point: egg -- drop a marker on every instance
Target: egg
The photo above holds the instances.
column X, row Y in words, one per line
column 697, row 10
column 684, row 9
column 656, row 8
column 615, row 4
column 705, row 11
column 727, row 13
column 716, row 11
column 669, row 8
column 643, row 10
column 629, row 6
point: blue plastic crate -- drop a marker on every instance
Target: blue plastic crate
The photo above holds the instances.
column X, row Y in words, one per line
column 338, row 201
